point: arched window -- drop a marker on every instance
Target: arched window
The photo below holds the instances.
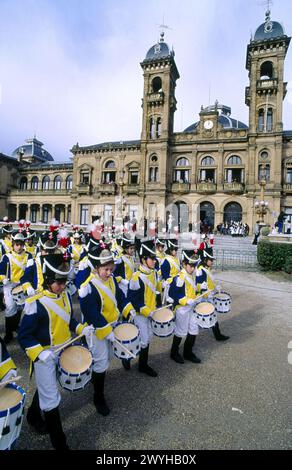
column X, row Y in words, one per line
column 69, row 182
column 23, row 183
column 207, row 215
column 35, row 183
column 158, row 127
column 208, row 161
column 109, row 175
column 266, row 72
column 110, row 164
column 156, row 85
column 234, row 160
column 182, row 162
column 152, row 128
column 57, row 183
column 261, row 120
column 270, row 120
column 153, row 169
column 232, row 212
column 46, row 183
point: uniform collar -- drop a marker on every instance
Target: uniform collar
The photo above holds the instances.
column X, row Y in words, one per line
column 145, row 270
column 51, row 295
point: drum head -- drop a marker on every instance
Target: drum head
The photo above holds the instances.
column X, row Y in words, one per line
column 75, row 359
column 126, row 332
column 222, row 296
column 163, row 315
column 17, row 290
column 205, row 308
column 9, row 397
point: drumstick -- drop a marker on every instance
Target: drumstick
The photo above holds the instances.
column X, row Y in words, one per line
column 125, row 349
column 14, row 379
column 202, row 295
column 67, row 344
column 165, row 306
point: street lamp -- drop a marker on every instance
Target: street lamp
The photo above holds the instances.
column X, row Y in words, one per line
column 261, row 206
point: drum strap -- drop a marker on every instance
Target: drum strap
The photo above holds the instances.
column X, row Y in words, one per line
column 148, row 283
column 15, row 261
column 5, row 246
column 209, row 274
column 190, row 280
column 173, row 263
column 49, row 303
column 105, row 289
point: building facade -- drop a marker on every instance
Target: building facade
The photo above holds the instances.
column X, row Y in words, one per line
column 212, row 171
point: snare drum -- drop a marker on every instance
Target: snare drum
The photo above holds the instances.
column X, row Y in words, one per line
column 12, row 400
column 129, row 336
column 222, row 302
column 74, row 368
column 18, row 295
column 162, row 323
column 206, row 314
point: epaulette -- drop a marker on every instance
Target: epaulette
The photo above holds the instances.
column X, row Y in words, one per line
column 33, row 298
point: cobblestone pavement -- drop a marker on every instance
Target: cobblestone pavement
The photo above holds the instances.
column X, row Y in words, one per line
column 238, row 398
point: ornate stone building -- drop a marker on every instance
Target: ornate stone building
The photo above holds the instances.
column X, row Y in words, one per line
column 212, row 170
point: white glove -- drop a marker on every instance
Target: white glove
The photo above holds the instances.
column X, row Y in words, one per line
column 5, row 281
column 191, row 302
column 132, row 315
column 111, row 337
column 30, row 291
column 204, row 286
column 88, row 331
column 11, row 374
column 165, row 284
column 124, row 282
column 45, row 355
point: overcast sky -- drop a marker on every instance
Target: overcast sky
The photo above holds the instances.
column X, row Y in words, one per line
column 70, row 69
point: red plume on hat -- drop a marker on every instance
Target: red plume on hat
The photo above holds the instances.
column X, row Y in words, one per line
column 54, row 225
column 64, row 239
column 27, row 224
column 21, row 224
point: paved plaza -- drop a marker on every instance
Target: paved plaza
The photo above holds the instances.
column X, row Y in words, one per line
column 238, row 398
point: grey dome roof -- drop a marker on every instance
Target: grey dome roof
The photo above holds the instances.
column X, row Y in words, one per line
column 269, row 29
column 224, row 119
column 33, row 148
column 159, row 51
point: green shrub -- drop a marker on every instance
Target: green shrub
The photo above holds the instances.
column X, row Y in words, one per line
column 288, row 265
column 265, row 231
column 272, row 256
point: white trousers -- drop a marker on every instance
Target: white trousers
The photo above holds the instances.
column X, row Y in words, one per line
column 102, row 353
column 10, row 304
column 47, row 385
column 185, row 322
column 144, row 325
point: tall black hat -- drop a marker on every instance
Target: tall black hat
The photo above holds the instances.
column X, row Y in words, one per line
column 56, row 266
column 48, row 240
column 127, row 241
column 190, row 257
column 147, row 249
column 100, row 255
column 172, row 244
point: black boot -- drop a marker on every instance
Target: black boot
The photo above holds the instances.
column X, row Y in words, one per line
column 174, row 353
column 217, row 333
column 143, row 363
column 57, row 436
column 15, row 320
column 34, row 416
column 188, row 349
column 8, row 330
column 126, row 363
column 98, row 398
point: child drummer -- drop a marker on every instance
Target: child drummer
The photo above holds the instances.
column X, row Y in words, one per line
column 101, row 301
column 45, row 326
column 205, row 281
column 143, row 289
column 183, row 291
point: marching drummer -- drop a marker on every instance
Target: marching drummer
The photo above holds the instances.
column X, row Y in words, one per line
column 125, row 264
column 8, row 369
column 45, row 326
column 183, row 291
column 102, row 301
column 30, row 247
column 12, row 268
column 160, row 244
column 76, row 248
column 170, row 266
column 143, row 289
column 206, row 282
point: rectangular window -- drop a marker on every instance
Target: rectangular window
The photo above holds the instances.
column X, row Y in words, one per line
column 33, row 214
column 134, row 177
column 83, row 214
column 69, row 215
column 45, row 215
column 84, row 177
column 153, row 175
column 109, row 177
column 108, row 215
column 289, row 176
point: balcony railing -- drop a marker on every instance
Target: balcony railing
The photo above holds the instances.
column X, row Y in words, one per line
column 234, row 187
column 107, row 188
column 180, row 187
column 205, row 187
column 39, row 192
column 84, row 188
